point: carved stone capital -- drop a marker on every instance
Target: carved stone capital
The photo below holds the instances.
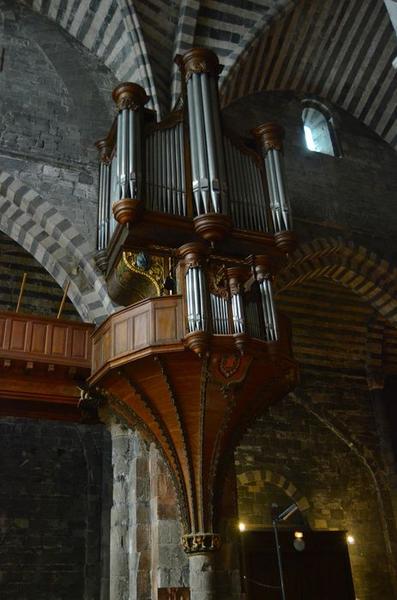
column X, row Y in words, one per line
column 129, row 95
column 269, row 136
column 196, row 543
column 199, row 60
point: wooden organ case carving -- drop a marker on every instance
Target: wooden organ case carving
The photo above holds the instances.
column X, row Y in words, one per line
column 201, row 349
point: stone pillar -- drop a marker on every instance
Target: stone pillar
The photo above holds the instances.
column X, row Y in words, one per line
column 119, row 516
column 202, row 576
column 130, row 564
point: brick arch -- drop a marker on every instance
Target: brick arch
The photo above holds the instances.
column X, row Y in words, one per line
column 262, row 477
column 348, row 264
column 55, row 243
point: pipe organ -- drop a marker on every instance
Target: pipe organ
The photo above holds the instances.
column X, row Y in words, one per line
column 193, row 224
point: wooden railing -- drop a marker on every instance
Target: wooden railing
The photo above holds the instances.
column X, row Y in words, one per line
column 151, row 326
column 44, row 340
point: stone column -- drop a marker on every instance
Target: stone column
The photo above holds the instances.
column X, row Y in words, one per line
column 119, row 515
column 202, row 576
column 130, row 565
column 202, row 550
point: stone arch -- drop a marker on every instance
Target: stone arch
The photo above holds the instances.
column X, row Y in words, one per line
column 55, row 243
column 348, row 264
column 369, row 463
column 117, row 41
column 271, row 62
column 259, row 478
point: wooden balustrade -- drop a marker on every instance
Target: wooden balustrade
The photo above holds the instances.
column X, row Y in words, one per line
column 42, row 363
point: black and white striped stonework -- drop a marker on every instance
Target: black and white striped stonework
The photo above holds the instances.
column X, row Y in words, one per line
column 354, row 267
column 111, row 30
column 55, row 243
column 42, row 295
column 341, row 51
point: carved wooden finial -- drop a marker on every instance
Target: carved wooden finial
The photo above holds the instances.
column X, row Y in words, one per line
column 199, row 60
column 269, row 136
column 129, row 95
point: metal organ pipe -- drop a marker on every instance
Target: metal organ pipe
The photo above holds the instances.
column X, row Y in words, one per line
column 264, row 279
column 270, row 139
column 104, row 194
column 196, row 299
column 210, row 144
column 236, row 277
column 201, row 69
column 130, row 100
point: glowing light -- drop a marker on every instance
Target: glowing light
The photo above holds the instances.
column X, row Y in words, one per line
column 241, row 526
column 350, row 540
column 309, row 138
column 298, row 535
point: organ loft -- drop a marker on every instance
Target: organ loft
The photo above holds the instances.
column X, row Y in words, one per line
column 198, row 300
column 193, row 223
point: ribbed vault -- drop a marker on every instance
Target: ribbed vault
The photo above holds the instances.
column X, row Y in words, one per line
column 341, row 51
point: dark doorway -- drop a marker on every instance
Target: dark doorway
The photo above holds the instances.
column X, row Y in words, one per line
column 320, row 572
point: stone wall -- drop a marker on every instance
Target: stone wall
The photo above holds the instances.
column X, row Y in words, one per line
column 352, row 197
column 325, row 447
column 55, row 102
column 50, row 510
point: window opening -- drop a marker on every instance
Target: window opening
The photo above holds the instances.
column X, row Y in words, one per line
column 318, row 131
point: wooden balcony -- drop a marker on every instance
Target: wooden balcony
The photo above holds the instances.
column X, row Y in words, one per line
column 195, row 406
column 42, row 361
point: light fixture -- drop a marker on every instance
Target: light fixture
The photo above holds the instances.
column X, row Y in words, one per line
column 241, row 526
column 350, row 540
column 299, row 542
column 286, row 514
column 298, row 535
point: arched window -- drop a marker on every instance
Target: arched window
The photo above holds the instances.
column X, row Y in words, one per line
column 319, row 131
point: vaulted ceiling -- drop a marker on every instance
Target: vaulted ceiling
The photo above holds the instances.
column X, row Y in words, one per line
column 341, row 51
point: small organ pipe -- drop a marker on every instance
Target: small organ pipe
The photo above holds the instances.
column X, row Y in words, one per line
column 181, row 155
column 178, row 177
column 118, row 160
column 210, row 143
column 220, row 153
column 272, row 308
column 131, row 117
column 270, row 138
column 104, row 194
column 284, row 208
column 100, row 209
column 130, row 100
column 198, row 114
column 194, row 149
column 163, row 162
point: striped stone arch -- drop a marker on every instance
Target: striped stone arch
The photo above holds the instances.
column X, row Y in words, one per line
column 352, row 266
column 256, row 480
column 112, row 32
column 55, row 243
